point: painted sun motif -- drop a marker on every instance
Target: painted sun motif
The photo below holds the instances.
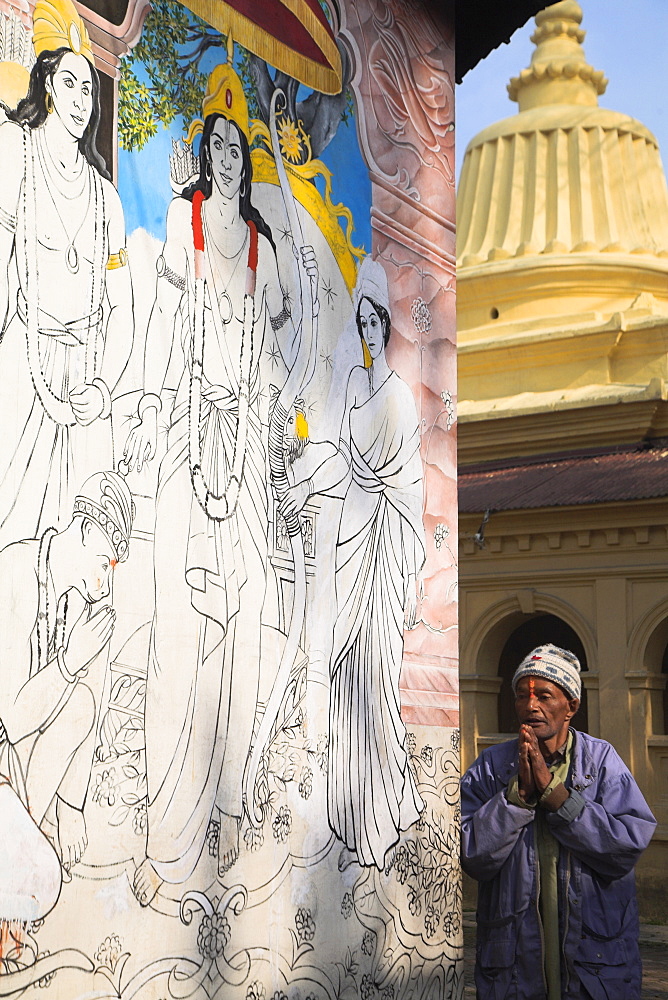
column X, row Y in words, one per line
column 290, row 140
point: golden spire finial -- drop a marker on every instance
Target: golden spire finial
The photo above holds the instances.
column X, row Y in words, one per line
column 559, row 71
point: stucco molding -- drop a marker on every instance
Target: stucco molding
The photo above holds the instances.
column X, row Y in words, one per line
column 404, row 93
column 509, row 611
column 648, row 640
column 626, row 537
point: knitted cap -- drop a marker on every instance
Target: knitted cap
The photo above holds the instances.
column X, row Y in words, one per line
column 553, row 664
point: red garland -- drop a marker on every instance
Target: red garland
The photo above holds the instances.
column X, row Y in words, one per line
column 252, row 249
column 198, row 232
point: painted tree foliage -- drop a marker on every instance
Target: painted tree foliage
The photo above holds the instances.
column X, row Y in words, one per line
column 162, row 79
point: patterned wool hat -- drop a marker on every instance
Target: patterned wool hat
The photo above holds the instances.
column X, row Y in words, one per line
column 553, row 664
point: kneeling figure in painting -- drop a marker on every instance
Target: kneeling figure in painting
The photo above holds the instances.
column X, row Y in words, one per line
column 53, row 647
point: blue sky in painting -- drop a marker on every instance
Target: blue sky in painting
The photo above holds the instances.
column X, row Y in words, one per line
column 143, row 184
column 143, row 176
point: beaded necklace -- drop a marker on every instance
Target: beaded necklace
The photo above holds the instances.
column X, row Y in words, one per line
column 59, row 410
column 225, row 307
column 71, row 253
column 45, row 627
column 221, row 506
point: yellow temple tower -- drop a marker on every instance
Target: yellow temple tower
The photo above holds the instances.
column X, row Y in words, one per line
column 562, row 317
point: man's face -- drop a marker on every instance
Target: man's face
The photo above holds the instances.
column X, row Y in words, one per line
column 98, row 560
column 544, row 706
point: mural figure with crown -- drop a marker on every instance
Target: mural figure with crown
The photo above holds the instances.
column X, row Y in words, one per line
column 67, row 330
column 254, row 821
column 218, row 288
column 54, row 640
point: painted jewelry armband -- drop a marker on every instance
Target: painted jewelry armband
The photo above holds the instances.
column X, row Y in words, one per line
column 148, row 399
column 278, row 322
column 115, row 260
column 106, row 397
column 166, row 272
column 7, row 221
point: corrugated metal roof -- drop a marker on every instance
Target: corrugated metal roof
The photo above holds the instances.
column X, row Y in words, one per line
column 635, row 474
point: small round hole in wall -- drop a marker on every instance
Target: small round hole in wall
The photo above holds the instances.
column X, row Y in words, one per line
column 494, row 312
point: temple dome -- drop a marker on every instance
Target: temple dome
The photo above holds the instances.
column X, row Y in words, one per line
column 562, row 254
column 563, row 176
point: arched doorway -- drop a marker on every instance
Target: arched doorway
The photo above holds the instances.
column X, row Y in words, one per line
column 539, row 629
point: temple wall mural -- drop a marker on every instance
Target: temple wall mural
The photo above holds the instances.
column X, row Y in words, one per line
column 229, row 743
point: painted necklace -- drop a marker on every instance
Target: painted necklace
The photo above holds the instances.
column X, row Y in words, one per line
column 57, row 409
column 43, row 152
column 221, row 506
column 225, row 308
column 50, row 634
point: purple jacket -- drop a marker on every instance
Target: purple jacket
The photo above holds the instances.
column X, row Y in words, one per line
column 603, row 827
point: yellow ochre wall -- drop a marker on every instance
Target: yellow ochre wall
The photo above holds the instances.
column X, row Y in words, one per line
column 562, row 315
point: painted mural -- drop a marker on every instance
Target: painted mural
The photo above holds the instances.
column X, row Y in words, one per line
column 222, row 538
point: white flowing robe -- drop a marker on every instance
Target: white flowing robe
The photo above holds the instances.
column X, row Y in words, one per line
column 43, row 463
column 204, row 658
column 371, row 791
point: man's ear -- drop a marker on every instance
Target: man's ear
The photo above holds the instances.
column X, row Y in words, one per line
column 573, row 706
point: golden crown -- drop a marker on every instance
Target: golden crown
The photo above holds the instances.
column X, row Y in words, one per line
column 225, row 96
column 57, row 24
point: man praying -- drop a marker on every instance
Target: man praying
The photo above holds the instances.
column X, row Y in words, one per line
column 553, row 824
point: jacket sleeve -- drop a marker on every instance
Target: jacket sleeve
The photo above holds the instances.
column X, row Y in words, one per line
column 491, row 825
column 612, row 829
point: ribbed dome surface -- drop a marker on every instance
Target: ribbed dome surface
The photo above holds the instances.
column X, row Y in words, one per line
column 563, row 176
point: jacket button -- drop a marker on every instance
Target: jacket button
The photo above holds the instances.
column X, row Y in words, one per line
column 588, row 777
column 598, row 954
